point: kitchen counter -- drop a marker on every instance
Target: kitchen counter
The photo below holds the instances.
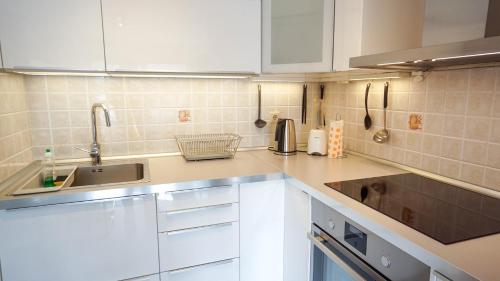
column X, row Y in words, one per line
column 477, row 257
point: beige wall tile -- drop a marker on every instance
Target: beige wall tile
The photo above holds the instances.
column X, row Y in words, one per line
column 457, row 80
column 414, row 141
column 430, row 163
column 495, row 131
column 494, row 156
column 477, row 128
column 496, row 106
column 433, row 123
column 480, row 105
column 452, row 148
column 435, row 102
column 454, row 126
column 472, row 173
column 417, row 101
column 482, row 79
column 455, row 103
column 449, row 168
column 431, row 144
column 492, row 178
column 475, row 152
column 436, row 81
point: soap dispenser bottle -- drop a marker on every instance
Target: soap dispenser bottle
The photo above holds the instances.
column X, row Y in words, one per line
column 49, row 169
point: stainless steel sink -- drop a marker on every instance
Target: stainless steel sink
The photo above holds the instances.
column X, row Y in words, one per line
column 110, row 174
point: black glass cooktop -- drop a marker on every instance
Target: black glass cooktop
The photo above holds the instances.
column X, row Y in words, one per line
column 441, row 211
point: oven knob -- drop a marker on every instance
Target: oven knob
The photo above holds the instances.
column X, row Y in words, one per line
column 386, row 262
column 331, row 224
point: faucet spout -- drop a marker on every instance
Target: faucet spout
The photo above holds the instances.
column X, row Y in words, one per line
column 95, row 147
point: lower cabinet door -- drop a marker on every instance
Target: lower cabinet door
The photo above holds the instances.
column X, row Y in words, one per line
column 226, row 270
column 102, row 240
column 196, row 246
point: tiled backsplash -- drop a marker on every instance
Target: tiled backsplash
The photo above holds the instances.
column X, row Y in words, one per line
column 460, row 109
column 144, row 111
column 15, row 140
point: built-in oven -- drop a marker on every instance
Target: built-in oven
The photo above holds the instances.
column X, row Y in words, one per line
column 343, row 250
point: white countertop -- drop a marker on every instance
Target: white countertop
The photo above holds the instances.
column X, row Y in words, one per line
column 477, row 257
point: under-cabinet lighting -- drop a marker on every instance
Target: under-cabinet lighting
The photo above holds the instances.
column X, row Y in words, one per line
column 179, row 76
column 375, row 78
column 466, row 56
column 132, row 74
column 57, row 73
column 391, row 63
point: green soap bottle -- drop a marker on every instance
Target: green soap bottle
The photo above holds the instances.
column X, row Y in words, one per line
column 49, row 170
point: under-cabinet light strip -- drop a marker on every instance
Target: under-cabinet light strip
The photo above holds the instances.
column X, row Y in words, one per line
column 466, row 56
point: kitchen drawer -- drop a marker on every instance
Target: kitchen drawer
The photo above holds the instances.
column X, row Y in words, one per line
column 226, row 270
column 196, row 217
column 195, row 198
column 196, row 246
column 155, row 277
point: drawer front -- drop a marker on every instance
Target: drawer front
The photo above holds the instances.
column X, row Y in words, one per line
column 227, row 270
column 196, row 246
column 195, row 198
column 203, row 216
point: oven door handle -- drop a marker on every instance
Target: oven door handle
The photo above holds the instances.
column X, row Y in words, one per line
column 319, row 243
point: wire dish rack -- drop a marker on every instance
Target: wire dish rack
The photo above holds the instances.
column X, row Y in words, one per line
column 208, row 146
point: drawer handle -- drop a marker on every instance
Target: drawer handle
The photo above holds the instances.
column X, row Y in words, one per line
column 188, row 210
column 180, row 270
column 199, row 189
column 219, row 225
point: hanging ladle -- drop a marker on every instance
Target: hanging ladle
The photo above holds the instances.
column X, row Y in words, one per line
column 382, row 136
column 259, row 123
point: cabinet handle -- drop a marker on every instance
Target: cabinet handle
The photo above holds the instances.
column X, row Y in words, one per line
column 199, row 189
column 186, row 269
column 199, row 228
column 317, row 242
column 189, row 210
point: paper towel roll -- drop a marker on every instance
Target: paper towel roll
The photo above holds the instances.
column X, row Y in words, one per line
column 335, row 139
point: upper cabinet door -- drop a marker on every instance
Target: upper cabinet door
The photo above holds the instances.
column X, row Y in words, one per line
column 52, row 34
column 297, row 36
column 182, row 35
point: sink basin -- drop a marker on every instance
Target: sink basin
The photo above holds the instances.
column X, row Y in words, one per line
column 109, row 174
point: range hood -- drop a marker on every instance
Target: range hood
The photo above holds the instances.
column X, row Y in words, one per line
column 449, row 55
column 479, row 51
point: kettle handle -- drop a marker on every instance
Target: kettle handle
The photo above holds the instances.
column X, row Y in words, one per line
column 278, row 135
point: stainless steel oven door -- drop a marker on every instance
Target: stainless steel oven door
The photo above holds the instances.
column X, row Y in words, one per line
column 331, row 261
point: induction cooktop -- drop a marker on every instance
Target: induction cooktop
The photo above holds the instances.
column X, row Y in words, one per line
column 444, row 212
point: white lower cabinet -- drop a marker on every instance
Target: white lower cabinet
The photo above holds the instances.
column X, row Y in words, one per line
column 113, row 239
column 274, row 222
column 297, row 225
column 226, row 270
column 262, row 230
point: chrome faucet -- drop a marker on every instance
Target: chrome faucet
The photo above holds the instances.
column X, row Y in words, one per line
column 95, row 147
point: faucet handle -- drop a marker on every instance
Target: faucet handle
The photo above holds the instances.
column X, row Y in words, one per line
column 82, row 149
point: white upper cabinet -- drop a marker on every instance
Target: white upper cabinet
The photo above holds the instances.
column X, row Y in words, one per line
column 52, row 34
column 182, row 35
column 297, row 35
column 321, row 36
